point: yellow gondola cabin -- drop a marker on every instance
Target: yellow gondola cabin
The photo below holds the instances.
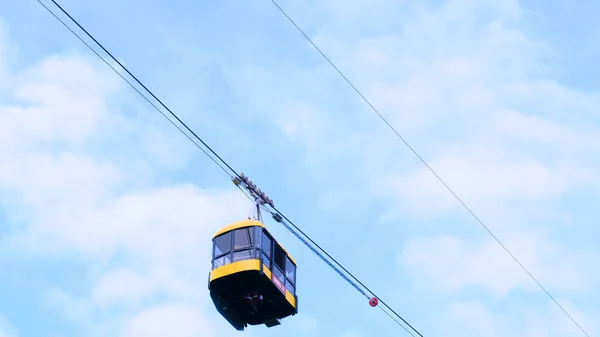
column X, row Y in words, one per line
column 253, row 278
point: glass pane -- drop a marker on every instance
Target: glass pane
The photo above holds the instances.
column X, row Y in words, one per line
column 251, row 235
column 243, row 238
column 279, row 274
column 290, row 270
column 266, row 244
column 221, row 261
column 290, row 287
column 278, row 279
column 243, row 255
column 256, row 237
column 222, row 244
column 266, row 261
column 279, row 257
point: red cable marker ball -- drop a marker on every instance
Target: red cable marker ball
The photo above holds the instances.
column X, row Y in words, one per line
column 373, row 302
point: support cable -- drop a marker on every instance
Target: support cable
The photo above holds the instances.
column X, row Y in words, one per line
column 136, row 79
column 240, row 180
column 429, row 168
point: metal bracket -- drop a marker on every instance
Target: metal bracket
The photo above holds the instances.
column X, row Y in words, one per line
column 256, row 193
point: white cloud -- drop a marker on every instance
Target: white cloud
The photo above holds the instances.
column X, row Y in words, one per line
column 122, row 285
column 305, row 124
column 75, row 193
column 510, row 143
column 468, row 88
column 470, row 94
column 476, row 103
column 6, row 328
column 72, row 93
column 304, row 324
column 489, row 180
column 351, row 333
column 6, row 55
column 451, row 264
column 164, row 223
column 477, row 319
column 168, row 320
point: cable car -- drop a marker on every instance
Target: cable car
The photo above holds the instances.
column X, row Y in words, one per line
column 253, row 278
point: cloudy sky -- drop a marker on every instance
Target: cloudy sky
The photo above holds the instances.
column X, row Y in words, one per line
column 106, row 210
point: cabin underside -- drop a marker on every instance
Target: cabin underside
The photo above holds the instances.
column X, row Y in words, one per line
column 249, row 298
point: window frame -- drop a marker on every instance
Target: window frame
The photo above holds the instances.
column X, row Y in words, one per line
column 214, row 256
column 289, row 286
column 268, row 235
column 240, row 252
column 289, row 260
column 258, row 251
column 225, row 256
column 247, row 234
column 276, row 270
column 271, row 259
column 252, row 248
column 277, row 247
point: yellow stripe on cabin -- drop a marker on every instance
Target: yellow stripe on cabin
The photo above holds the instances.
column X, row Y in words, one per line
column 290, row 298
column 234, row 268
column 246, row 265
column 267, row 272
column 239, row 224
column 288, row 295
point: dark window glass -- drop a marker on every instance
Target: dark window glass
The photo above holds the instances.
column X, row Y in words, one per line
column 221, row 261
column 243, row 238
column 222, row 244
column 279, row 257
column 266, row 244
column 266, row 261
column 290, row 270
column 243, row 255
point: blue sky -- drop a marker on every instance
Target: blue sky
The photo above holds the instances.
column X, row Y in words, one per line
column 106, row 210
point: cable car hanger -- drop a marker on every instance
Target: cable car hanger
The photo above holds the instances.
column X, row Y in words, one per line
column 262, row 199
